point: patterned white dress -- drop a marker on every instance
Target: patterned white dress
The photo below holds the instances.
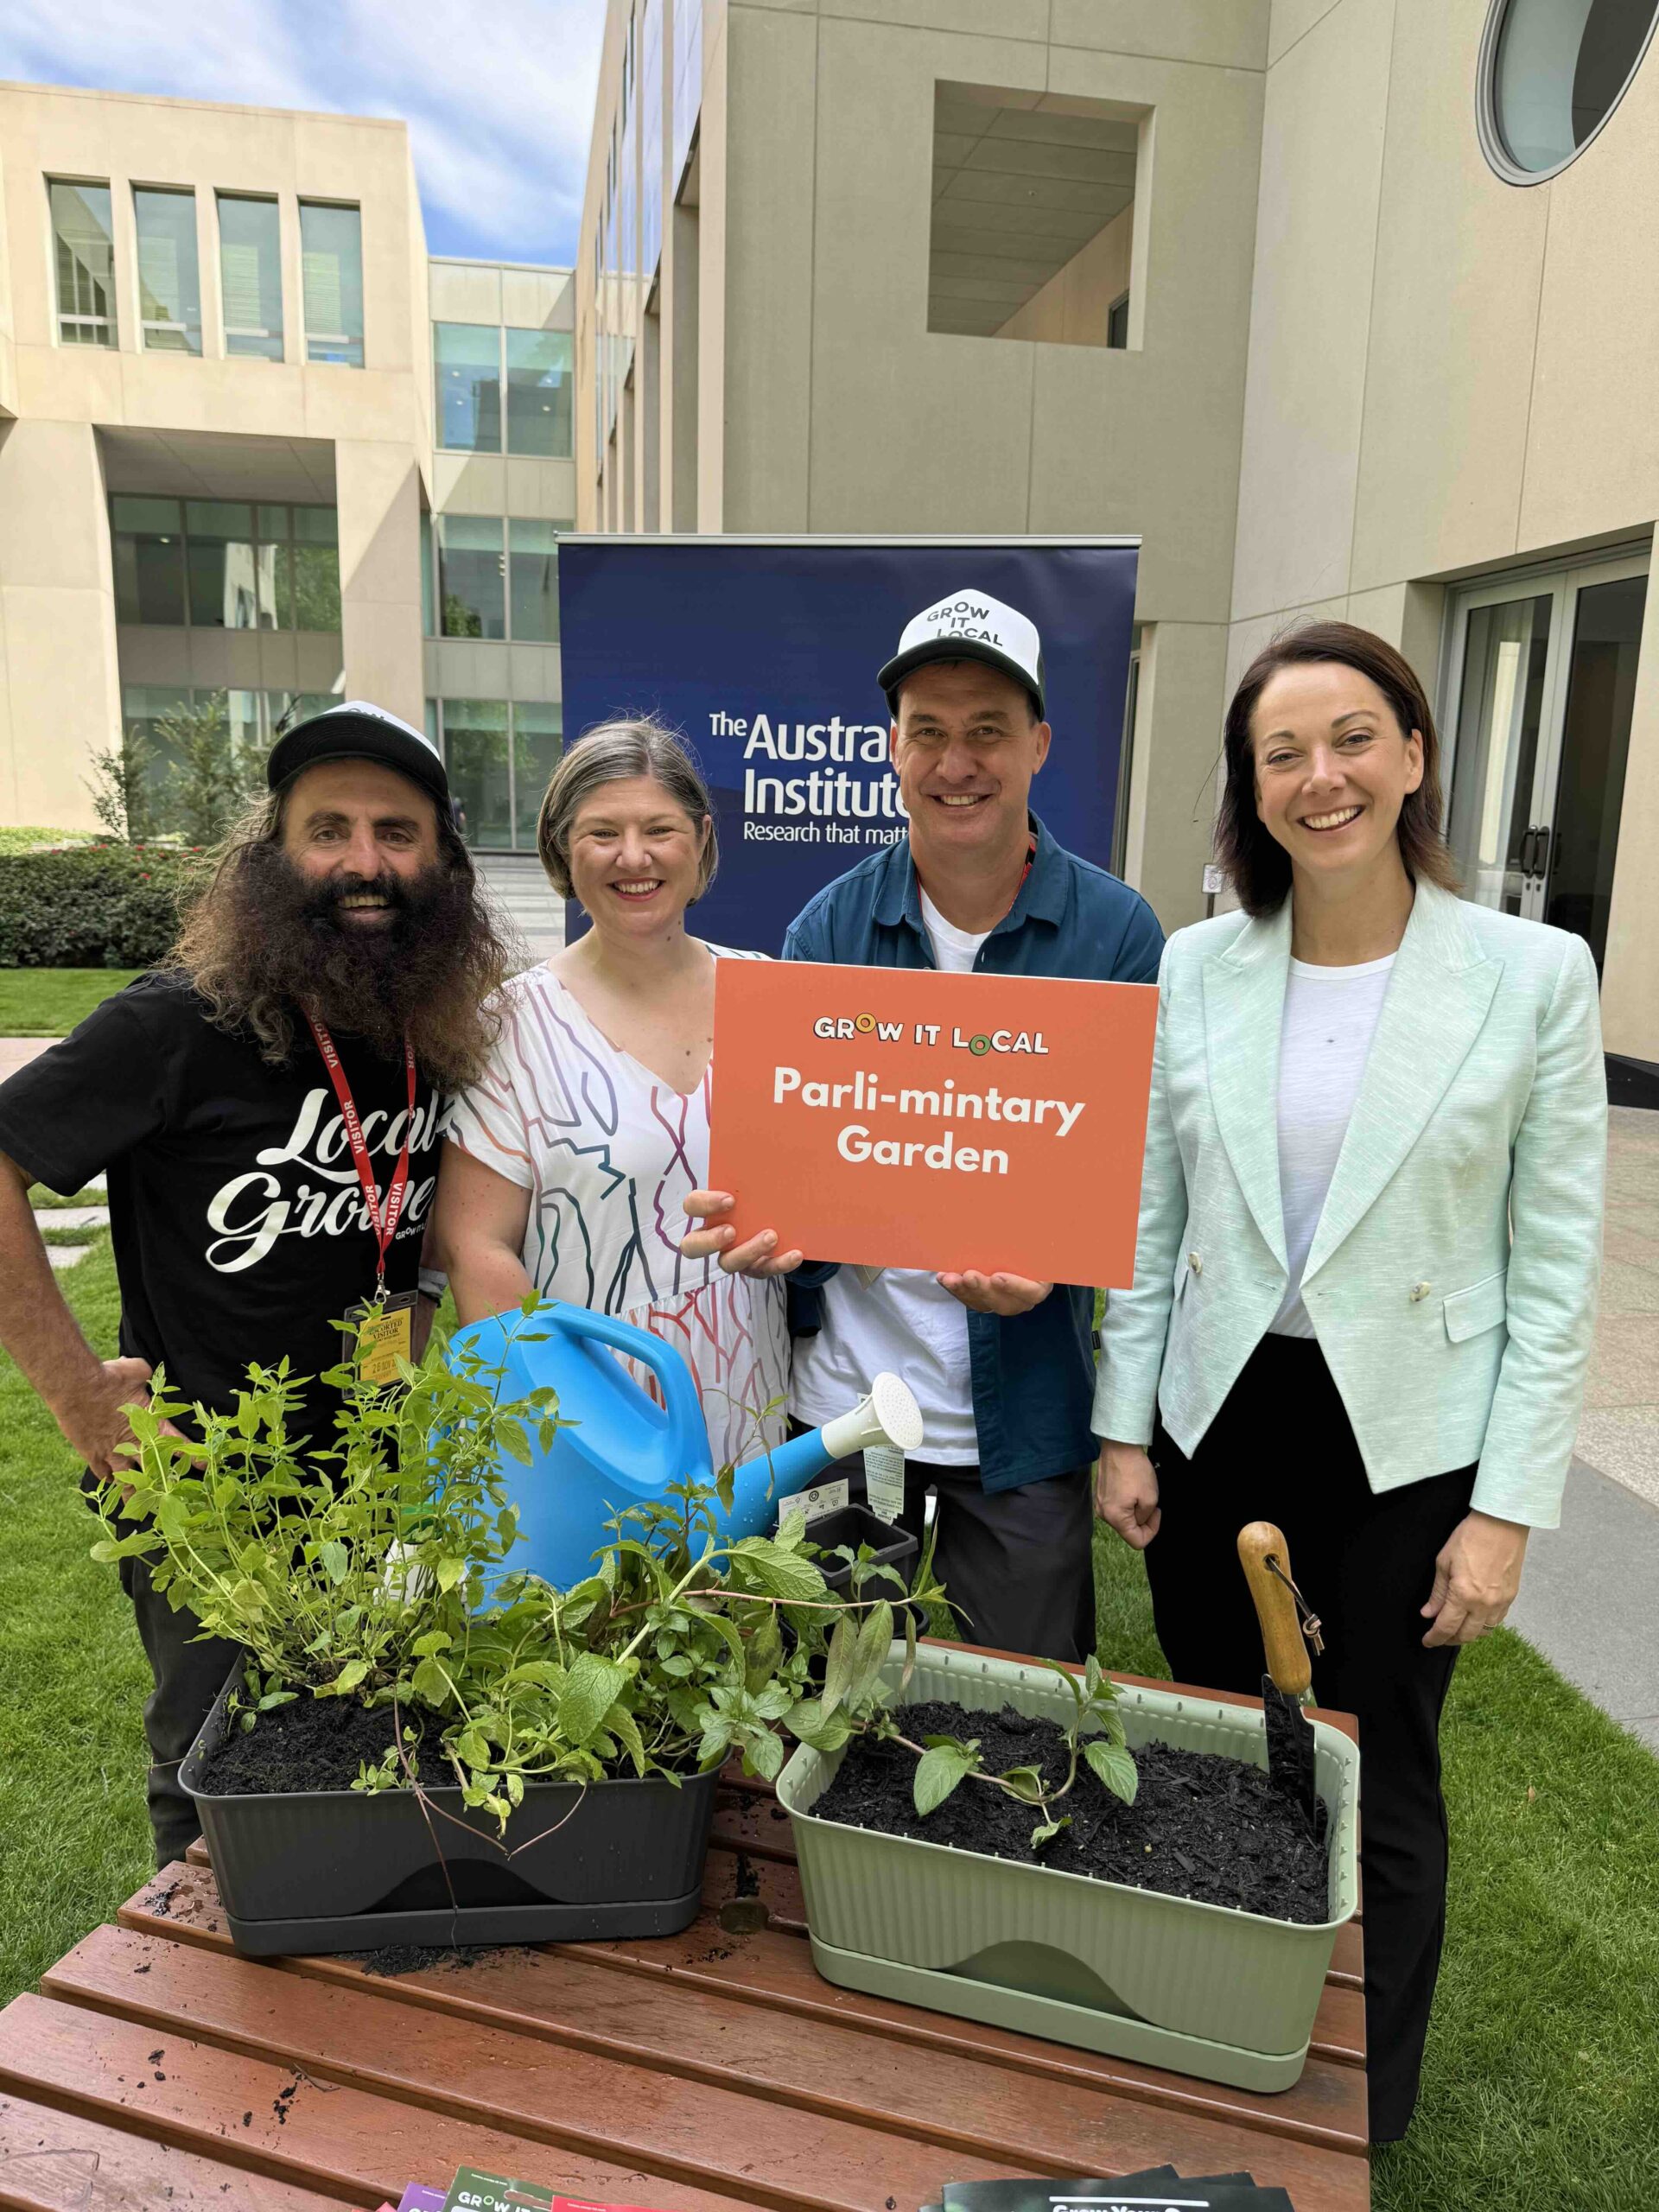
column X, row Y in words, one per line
column 607, row 1152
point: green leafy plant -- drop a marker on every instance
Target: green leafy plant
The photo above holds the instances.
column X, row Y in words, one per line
column 377, row 1570
column 108, row 906
column 213, row 776
column 121, row 786
column 853, row 1703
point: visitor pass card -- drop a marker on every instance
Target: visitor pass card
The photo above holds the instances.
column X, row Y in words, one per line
column 902, row 1118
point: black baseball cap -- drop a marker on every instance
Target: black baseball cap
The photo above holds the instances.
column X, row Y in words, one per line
column 357, row 731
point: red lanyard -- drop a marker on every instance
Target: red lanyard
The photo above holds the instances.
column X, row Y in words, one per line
column 384, row 1222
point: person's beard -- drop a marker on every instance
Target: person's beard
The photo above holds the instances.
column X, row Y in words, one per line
column 369, row 980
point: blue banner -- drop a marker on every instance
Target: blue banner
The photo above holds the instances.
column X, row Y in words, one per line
column 764, row 654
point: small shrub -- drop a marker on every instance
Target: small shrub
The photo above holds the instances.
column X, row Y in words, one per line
column 92, row 905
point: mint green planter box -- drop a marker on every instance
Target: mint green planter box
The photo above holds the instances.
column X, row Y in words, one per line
column 1201, row 1988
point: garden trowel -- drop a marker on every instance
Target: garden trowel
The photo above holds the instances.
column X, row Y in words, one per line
column 1287, row 1685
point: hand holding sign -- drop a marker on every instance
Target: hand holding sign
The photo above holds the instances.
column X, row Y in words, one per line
column 856, row 1110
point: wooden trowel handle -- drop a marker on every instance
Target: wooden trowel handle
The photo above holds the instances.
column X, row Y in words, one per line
column 1275, row 1608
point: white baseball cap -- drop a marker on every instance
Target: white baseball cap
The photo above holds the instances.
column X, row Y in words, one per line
column 969, row 626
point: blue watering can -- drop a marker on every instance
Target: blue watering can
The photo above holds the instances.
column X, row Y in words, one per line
column 623, row 1448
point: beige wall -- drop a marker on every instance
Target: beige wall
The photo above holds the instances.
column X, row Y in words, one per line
column 1072, row 309
column 61, row 698
column 824, row 404
column 1448, row 373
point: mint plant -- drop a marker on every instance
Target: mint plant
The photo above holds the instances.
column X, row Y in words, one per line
column 377, row 1569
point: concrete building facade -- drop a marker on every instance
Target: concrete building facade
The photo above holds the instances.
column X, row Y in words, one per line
column 1345, row 306
column 257, row 448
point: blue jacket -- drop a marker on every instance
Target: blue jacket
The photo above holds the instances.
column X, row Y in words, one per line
column 1033, row 1376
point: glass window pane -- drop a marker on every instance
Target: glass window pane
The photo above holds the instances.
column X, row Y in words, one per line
column 148, row 568
column 146, row 514
column 170, row 282
column 428, row 600
column 251, row 277
column 317, row 525
column 534, row 570
column 233, row 580
column 471, row 583
column 1560, row 66
column 537, row 727
column 145, row 708
column 467, row 377
column 331, row 261
column 1595, row 748
column 1498, row 716
column 84, row 252
column 274, row 522
column 539, row 392
column 475, row 750
column 316, row 586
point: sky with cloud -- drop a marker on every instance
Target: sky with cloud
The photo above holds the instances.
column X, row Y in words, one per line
column 498, row 99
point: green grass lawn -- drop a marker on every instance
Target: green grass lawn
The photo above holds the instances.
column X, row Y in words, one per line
column 1541, row 2086
column 49, row 1001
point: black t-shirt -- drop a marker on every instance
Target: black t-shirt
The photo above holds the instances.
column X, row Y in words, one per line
column 238, row 1223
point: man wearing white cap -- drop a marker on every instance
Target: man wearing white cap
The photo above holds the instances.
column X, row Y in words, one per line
column 1003, row 1367
column 270, row 1107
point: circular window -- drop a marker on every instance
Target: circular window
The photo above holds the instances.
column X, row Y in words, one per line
column 1552, row 72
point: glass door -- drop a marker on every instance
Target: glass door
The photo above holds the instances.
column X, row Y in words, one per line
column 1544, row 676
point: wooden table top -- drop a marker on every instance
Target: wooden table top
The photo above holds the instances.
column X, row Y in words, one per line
column 711, row 2071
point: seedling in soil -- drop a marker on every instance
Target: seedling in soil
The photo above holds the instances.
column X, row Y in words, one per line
column 853, row 1703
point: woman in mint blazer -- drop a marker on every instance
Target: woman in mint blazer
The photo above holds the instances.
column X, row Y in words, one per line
column 1365, row 1281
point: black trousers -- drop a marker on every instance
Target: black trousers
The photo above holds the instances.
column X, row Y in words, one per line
column 188, row 1675
column 1018, row 1566
column 1281, row 1450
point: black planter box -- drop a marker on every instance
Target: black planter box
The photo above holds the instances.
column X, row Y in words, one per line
column 338, row 1870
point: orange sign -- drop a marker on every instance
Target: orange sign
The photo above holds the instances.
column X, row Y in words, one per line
column 897, row 1117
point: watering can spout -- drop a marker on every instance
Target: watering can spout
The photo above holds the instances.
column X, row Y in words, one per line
column 889, row 1414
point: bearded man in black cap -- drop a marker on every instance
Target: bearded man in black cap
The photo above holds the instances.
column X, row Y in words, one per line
column 270, row 1107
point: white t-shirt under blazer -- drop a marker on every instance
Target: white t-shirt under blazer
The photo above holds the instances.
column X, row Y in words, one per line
column 1330, row 1016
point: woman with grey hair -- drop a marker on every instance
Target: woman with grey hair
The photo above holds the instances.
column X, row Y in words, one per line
column 569, row 1159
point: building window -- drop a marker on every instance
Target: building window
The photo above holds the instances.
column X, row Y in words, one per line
column 148, row 549
column 251, row 277
column 539, row 392
column 1117, row 323
column 472, row 575
column 331, row 260
column 83, row 251
column 1551, row 74
column 500, row 757
column 242, row 722
column 1032, row 216
column 467, row 374
column 537, row 726
column 478, row 758
column 169, row 276
column 533, row 581
column 225, row 564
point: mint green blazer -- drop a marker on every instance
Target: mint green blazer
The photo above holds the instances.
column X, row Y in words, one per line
column 1453, row 1275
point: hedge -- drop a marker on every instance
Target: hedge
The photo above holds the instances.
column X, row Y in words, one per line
column 92, row 905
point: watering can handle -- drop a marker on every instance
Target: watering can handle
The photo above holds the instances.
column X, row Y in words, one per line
column 679, row 1391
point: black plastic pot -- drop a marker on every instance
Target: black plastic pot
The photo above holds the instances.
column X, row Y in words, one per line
column 338, row 1870
column 854, row 1525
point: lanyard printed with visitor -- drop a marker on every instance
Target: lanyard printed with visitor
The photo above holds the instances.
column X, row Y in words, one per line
column 382, row 1220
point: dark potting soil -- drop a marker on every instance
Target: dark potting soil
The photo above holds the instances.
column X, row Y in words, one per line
column 1202, row 1825
column 319, row 1743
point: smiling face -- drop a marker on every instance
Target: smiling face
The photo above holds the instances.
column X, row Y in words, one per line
column 635, row 855
column 360, row 835
column 966, row 745
column 1332, row 769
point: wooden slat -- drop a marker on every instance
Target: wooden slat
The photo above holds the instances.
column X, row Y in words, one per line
column 951, row 2100
column 573, row 2100
column 359, row 2148
column 773, row 1972
column 60, row 2162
